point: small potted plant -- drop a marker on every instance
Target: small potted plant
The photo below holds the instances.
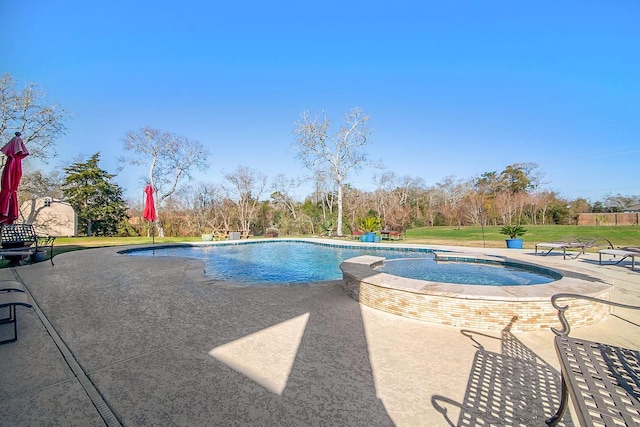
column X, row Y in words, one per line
column 513, row 231
column 370, row 225
column 329, row 225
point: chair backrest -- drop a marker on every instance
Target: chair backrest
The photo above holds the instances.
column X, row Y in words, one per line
column 18, row 233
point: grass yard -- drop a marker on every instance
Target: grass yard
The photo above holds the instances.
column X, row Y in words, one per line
column 472, row 236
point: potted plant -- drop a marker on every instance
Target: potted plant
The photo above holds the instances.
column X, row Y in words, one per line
column 370, row 225
column 513, row 231
column 329, row 225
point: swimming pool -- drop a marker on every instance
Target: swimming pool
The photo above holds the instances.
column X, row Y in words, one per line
column 277, row 262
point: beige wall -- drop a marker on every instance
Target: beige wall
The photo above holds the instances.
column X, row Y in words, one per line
column 57, row 219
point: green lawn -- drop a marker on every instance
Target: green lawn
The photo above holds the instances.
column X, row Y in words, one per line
column 472, row 236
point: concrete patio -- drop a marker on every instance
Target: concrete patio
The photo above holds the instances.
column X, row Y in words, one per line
column 135, row 341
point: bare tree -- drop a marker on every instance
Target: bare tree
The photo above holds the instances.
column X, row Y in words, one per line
column 393, row 199
column 29, row 113
column 339, row 155
column 324, row 194
column 247, row 187
column 357, row 206
column 169, row 157
column 283, row 189
column 40, row 184
column 201, row 204
column 453, row 192
column 618, row 201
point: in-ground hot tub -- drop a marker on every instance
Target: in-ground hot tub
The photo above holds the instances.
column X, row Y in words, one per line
column 522, row 308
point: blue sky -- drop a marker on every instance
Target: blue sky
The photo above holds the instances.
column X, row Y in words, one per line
column 451, row 88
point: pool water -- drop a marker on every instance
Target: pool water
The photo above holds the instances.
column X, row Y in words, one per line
column 272, row 262
column 302, row 262
column 465, row 273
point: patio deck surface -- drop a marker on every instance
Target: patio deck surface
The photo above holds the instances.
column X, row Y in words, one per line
column 136, row 341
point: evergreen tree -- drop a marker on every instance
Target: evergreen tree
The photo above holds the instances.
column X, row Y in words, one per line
column 98, row 201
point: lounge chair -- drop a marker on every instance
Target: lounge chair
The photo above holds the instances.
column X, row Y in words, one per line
column 600, row 379
column 10, row 286
column 12, row 299
column 626, row 252
column 573, row 243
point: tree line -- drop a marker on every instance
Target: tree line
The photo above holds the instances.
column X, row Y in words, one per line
column 250, row 202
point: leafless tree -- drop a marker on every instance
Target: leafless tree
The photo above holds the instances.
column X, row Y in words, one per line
column 357, row 205
column 282, row 194
column 246, row 187
column 393, row 199
column 453, row 191
column 476, row 209
column 29, row 113
column 617, row 202
column 170, row 158
column 338, row 154
column 201, row 204
column 324, row 193
column 36, row 184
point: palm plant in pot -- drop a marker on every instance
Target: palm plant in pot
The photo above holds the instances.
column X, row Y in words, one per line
column 513, row 231
column 370, row 225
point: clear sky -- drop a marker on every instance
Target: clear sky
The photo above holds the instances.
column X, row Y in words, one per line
column 452, row 88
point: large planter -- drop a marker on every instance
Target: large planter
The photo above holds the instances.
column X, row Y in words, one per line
column 38, row 256
column 368, row 237
column 514, row 243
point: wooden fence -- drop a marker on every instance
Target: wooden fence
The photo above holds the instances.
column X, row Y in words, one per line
column 620, row 218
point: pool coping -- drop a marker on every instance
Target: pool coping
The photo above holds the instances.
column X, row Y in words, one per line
column 361, row 267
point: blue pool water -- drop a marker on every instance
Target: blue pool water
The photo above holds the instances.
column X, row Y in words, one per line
column 466, row 273
column 302, row 262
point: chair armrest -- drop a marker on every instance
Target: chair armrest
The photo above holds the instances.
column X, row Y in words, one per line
column 45, row 241
column 561, row 309
column 597, row 242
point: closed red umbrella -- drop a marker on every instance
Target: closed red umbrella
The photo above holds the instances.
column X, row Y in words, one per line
column 15, row 150
column 149, row 212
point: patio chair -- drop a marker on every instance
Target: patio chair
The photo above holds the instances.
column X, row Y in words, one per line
column 11, row 300
column 10, row 286
column 601, row 380
column 573, row 243
column 624, row 252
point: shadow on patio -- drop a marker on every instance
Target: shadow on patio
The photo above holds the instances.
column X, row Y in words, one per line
column 513, row 387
